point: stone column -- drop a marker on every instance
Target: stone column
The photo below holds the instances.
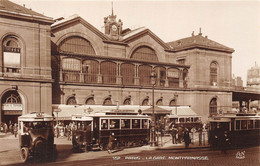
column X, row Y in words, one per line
column 99, row 73
column 181, row 79
column 118, row 77
column 166, row 77
column 137, row 80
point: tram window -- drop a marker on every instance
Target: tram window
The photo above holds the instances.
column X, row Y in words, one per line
column 191, row 119
column 125, row 123
column 250, row 124
column 181, row 120
column 243, row 124
column 104, row 124
column 237, row 124
column 196, row 119
column 187, row 119
column 257, row 124
column 174, row 120
column 135, row 123
column 144, row 124
column 114, row 123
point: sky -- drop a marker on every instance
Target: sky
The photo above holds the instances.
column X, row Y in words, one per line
column 235, row 24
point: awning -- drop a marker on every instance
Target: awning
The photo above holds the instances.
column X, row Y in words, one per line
column 182, row 111
column 157, row 110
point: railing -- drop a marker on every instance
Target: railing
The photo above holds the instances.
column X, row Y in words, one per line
column 109, row 79
column 128, row 80
column 90, row 78
column 146, row 81
column 12, row 70
column 71, row 76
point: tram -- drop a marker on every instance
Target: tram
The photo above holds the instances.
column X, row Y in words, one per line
column 93, row 130
column 185, row 121
column 242, row 129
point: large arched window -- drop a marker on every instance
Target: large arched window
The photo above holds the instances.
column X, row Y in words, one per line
column 109, row 72
column 11, row 54
column 90, row 101
column 144, row 53
column 144, row 73
column 173, row 77
column 71, row 101
column 128, row 73
column 90, row 68
column 213, row 106
column 213, row 73
column 78, row 45
column 11, row 97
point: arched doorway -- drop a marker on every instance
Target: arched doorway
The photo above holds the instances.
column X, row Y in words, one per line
column 12, row 106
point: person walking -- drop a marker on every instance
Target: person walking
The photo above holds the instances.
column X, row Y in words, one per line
column 15, row 128
column 111, row 141
column 186, row 137
column 174, row 134
column 193, row 131
column 200, row 136
column 180, row 134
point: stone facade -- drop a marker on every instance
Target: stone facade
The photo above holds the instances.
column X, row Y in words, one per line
column 26, row 80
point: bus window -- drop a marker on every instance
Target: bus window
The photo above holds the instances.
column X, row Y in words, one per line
column 104, row 123
column 181, row 120
column 243, row 124
column 237, row 124
column 135, row 123
column 250, row 124
column 114, row 123
column 144, row 123
column 125, row 123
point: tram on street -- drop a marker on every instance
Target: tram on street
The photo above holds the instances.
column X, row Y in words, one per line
column 241, row 129
column 185, row 121
column 36, row 137
column 92, row 131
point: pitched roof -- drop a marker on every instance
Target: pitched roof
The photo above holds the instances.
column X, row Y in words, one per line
column 139, row 32
column 13, row 7
column 8, row 7
column 77, row 18
column 198, row 41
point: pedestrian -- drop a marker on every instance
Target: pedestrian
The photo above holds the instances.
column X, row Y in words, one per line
column 186, row 137
column 200, row 136
column 193, row 131
column 5, row 128
column 174, row 133
column 15, row 130
column 224, row 142
column 180, row 134
column 111, row 142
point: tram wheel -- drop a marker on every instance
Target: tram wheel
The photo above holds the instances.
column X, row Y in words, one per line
column 24, row 153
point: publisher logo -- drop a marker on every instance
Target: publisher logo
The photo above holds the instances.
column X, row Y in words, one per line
column 241, row 155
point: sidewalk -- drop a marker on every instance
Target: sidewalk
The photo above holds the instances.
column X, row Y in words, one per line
column 167, row 144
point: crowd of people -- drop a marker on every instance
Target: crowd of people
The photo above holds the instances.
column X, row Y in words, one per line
column 182, row 134
column 9, row 128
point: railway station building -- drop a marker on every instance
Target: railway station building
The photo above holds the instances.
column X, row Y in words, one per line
column 51, row 65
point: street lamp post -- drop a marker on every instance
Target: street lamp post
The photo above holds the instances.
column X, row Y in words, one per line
column 153, row 82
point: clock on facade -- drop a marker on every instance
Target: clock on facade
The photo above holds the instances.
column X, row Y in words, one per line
column 114, row 27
